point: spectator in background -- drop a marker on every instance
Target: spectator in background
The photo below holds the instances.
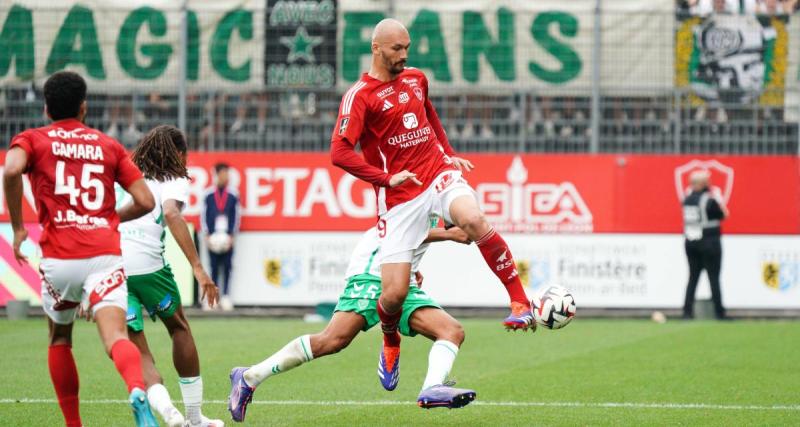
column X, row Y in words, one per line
column 158, row 109
column 761, row 7
column 244, row 103
column 706, row 7
column 478, row 106
column 550, row 117
column 703, row 211
column 214, row 123
column 123, row 119
column 220, row 221
column 775, row 7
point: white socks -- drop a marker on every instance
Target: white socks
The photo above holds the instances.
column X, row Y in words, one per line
column 192, row 391
column 440, row 361
column 159, row 399
column 292, row 355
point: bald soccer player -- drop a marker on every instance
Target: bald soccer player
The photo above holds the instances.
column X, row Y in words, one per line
column 415, row 172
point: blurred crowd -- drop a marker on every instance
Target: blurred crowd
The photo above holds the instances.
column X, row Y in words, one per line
column 525, row 121
column 758, row 7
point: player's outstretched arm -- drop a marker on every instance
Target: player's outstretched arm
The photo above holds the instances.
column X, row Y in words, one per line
column 454, row 234
column 343, row 155
column 143, row 201
column 177, row 226
column 16, row 162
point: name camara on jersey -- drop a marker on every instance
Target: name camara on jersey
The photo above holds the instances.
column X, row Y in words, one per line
column 72, row 150
column 77, row 151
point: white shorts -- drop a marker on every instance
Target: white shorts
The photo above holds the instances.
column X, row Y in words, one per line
column 92, row 282
column 405, row 226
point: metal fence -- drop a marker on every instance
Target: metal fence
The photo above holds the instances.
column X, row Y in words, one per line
column 625, row 94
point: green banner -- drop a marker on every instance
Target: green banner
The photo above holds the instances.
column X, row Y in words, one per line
column 120, row 46
column 508, row 45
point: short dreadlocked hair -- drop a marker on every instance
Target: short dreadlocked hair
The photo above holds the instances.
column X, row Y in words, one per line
column 159, row 154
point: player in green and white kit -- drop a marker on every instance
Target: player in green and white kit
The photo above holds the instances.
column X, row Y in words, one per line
column 357, row 311
column 161, row 155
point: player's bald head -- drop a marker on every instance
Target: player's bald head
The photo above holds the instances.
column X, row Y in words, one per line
column 390, row 42
column 388, row 31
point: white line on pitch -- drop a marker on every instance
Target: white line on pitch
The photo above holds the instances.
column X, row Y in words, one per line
column 634, row 405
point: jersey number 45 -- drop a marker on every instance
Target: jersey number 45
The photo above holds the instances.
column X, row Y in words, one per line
column 65, row 184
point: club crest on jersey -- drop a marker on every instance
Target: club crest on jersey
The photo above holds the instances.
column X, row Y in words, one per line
column 387, row 105
column 418, row 93
column 403, row 98
column 343, row 125
column 410, row 121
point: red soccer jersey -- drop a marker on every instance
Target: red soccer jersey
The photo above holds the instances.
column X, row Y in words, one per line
column 397, row 129
column 72, row 169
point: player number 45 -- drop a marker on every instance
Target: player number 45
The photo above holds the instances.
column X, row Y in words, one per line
column 66, row 185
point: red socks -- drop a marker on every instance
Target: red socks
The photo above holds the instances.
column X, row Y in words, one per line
column 498, row 257
column 389, row 324
column 128, row 361
column 64, row 375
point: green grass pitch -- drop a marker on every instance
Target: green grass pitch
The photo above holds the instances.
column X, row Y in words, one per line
column 594, row 372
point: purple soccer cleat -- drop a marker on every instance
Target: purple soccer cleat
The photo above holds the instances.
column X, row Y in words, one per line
column 389, row 367
column 241, row 395
column 521, row 317
column 445, row 396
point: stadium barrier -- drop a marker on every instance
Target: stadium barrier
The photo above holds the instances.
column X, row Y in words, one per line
column 602, row 270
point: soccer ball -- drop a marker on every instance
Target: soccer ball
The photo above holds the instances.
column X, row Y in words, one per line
column 219, row 242
column 555, row 308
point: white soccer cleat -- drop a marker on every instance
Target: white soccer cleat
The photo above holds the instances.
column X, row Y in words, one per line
column 206, row 422
column 174, row 418
column 211, row 423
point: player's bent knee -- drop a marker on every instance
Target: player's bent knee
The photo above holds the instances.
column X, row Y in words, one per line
column 452, row 332
column 394, row 298
column 176, row 324
column 474, row 224
column 457, row 334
